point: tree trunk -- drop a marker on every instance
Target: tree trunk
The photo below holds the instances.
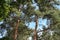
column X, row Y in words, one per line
column 16, row 30
column 35, row 31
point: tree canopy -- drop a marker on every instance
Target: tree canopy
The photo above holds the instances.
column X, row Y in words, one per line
column 16, row 13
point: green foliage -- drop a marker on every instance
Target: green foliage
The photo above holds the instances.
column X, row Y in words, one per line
column 4, row 10
column 8, row 7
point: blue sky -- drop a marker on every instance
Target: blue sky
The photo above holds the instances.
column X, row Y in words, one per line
column 1, row 22
column 3, row 33
column 41, row 22
column 58, row 7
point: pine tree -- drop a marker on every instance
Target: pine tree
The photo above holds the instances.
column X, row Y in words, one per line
column 12, row 9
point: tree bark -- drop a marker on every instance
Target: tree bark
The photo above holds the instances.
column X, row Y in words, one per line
column 35, row 30
column 16, row 30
